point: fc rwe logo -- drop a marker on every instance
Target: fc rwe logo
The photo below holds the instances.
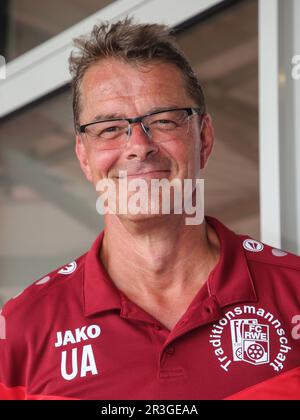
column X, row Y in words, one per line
column 250, row 341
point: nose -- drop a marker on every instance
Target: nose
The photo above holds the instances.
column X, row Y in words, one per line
column 139, row 144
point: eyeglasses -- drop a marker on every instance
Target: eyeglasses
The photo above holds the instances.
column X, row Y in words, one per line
column 159, row 126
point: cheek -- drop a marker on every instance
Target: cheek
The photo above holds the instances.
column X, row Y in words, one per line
column 183, row 153
column 101, row 163
column 176, row 150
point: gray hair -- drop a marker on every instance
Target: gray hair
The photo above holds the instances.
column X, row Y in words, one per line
column 132, row 43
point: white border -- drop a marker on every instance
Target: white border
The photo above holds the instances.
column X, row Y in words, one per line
column 269, row 150
column 45, row 68
column 289, row 125
column 296, row 34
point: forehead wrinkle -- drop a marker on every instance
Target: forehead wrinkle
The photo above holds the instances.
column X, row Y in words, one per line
column 108, row 116
column 125, row 84
column 117, row 77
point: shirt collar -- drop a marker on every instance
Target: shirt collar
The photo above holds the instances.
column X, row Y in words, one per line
column 100, row 293
column 229, row 282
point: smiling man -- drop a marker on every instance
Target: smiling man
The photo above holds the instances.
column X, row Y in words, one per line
column 157, row 308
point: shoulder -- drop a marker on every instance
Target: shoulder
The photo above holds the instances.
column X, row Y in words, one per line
column 55, row 282
column 266, row 256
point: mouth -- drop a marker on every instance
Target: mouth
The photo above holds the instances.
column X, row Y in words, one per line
column 146, row 174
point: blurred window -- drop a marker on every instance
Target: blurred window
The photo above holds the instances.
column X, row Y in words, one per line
column 224, row 51
column 28, row 23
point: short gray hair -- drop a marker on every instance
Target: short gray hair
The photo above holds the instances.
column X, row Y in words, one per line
column 132, row 43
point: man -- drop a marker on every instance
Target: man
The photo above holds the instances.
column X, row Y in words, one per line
column 158, row 308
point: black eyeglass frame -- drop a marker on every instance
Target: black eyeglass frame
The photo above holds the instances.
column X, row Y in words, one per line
column 190, row 110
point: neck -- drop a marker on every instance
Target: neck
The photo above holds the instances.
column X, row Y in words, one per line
column 161, row 255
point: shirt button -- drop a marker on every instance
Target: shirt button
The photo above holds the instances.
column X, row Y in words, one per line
column 157, row 327
column 208, row 310
column 170, row 350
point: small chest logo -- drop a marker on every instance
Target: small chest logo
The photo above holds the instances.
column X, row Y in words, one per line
column 250, row 341
column 68, row 269
column 252, row 245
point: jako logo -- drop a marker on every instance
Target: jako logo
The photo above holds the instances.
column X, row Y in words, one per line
column 77, row 357
column 296, row 68
column 2, row 68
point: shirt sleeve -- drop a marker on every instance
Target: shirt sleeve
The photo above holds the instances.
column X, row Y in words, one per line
column 11, row 387
column 283, row 387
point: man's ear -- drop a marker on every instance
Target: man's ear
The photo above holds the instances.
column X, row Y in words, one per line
column 207, row 139
column 82, row 156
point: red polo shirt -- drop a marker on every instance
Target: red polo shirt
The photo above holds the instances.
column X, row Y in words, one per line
column 74, row 334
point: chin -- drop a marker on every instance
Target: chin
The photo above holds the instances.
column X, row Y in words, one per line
column 148, row 219
column 140, row 218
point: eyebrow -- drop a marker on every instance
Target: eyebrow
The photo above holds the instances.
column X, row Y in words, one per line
column 104, row 117
column 100, row 117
